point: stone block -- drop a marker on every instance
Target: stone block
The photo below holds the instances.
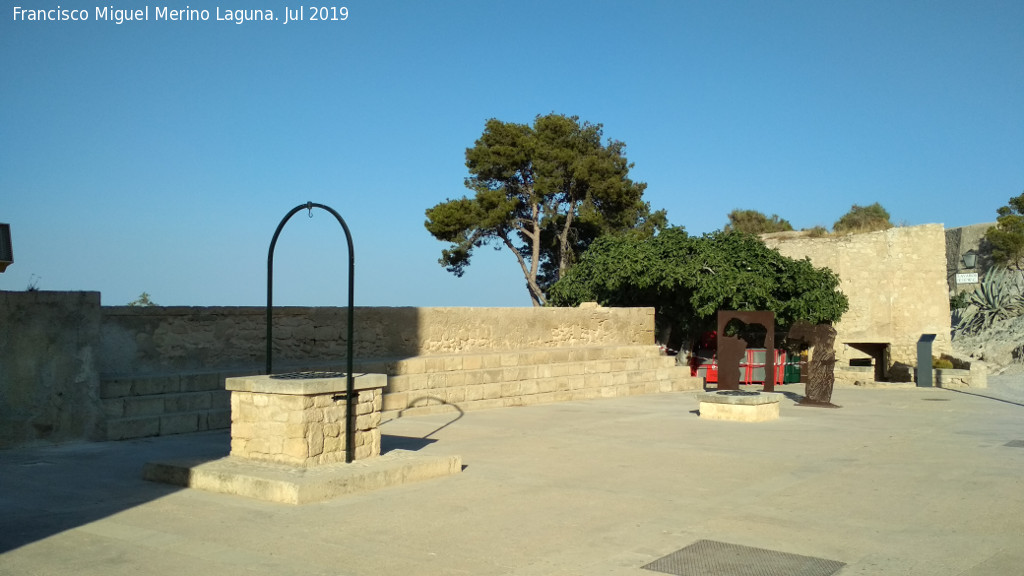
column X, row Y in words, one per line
column 492, row 391
column 124, row 428
column 200, row 382
column 156, row 385
column 434, row 364
column 455, row 395
column 436, row 380
column 474, row 392
column 115, row 388
column 113, row 407
column 472, row 362
column 395, row 401
column 179, row 423
column 187, row 402
column 135, row 406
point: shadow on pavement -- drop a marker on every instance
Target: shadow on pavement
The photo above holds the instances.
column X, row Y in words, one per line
column 47, row 490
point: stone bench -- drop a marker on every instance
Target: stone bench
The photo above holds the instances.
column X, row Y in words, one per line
column 739, row 406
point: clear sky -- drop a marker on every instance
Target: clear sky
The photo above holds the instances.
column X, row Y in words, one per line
column 160, row 156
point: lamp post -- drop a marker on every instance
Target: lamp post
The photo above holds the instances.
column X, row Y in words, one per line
column 6, row 251
column 970, row 259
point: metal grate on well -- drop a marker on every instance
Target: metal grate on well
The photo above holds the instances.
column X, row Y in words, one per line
column 1015, row 444
column 312, row 375
column 711, row 558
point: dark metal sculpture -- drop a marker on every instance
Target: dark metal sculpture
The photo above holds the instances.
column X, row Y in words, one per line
column 731, row 349
column 350, row 412
column 821, row 370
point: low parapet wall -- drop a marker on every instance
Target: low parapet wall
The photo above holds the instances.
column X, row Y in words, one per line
column 153, row 340
column 72, row 370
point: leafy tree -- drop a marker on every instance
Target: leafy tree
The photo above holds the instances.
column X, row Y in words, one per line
column 687, row 279
column 1007, row 237
column 754, row 222
column 545, row 192
column 863, row 219
column 143, row 300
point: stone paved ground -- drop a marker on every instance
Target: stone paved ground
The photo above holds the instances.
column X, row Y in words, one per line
column 905, row 481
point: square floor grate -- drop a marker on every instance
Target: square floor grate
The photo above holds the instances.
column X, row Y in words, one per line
column 1015, row 444
column 710, row 558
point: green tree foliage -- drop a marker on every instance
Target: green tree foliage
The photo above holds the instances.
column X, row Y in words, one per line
column 143, row 300
column 754, row 222
column 687, row 279
column 545, row 192
column 1007, row 236
column 863, row 219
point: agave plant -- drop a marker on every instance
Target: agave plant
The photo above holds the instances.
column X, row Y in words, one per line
column 997, row 298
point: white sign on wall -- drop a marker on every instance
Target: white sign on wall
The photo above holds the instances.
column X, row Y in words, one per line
column 971, row 278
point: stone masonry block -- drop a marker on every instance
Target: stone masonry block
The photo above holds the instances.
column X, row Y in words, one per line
column 115, row 388
column 187, row 402
column 113, row 407
column 456, row 379
column 143, row 406
column 201, row 382
column 529, row 387
column 558, row 355
column 124, row 428
column 472, row 362
column 395, row 401
column 158, row 385
column 474, row 392
column 455, row 395
column 179, row 423
column 452, row 363
column 436, row 380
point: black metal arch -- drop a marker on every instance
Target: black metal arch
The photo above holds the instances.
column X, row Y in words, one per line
column 349, row 382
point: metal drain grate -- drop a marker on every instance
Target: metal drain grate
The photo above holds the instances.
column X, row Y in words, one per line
column 1015, row 444
column 710, row 558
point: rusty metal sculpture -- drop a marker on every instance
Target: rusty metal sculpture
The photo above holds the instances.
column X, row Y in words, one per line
column 820, row 377
column 732, row 349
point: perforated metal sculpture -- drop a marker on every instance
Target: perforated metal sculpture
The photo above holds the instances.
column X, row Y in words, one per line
column 731, row 349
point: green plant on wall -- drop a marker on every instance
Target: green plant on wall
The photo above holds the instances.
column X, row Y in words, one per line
column 863, row 219
column 998, row 297
column 143, row 300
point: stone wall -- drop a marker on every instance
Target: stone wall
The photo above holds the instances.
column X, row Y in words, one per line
column 958, row 242
column 71, row 370
column 49, row 382
column 896, row 283
column 154, row 340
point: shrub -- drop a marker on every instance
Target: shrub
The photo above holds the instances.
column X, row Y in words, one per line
column 863, row 219
column 941, row 363
column 998, row 297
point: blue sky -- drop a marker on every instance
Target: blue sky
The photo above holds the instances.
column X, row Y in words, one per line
column 160, row 156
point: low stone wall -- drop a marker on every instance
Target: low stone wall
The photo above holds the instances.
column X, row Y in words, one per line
column 72, row 370
column 153, row 340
